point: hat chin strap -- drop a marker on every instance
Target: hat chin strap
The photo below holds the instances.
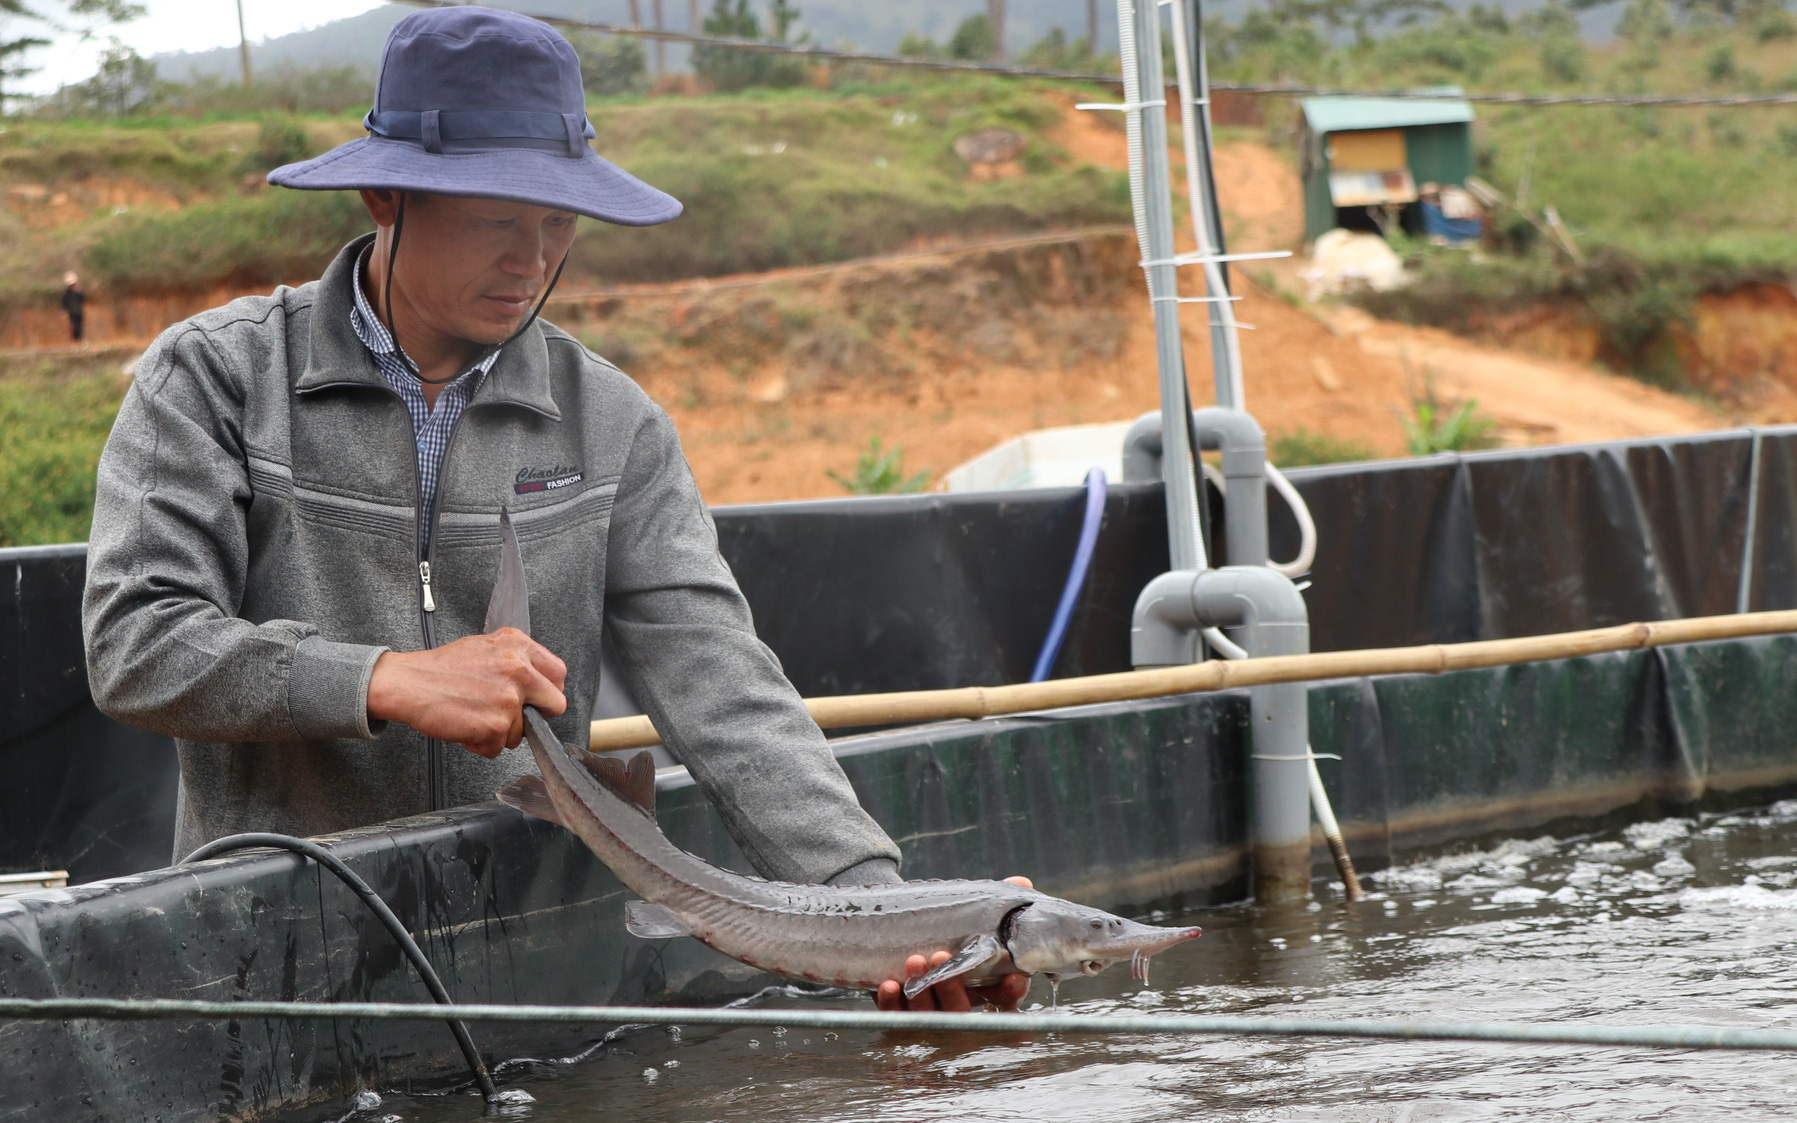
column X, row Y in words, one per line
column 399, row 226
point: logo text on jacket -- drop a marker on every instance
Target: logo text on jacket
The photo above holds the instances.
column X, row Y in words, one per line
column 546, row 479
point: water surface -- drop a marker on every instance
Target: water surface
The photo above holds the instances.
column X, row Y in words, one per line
column 1682, row 921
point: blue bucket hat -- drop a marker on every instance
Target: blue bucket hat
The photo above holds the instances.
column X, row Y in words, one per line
column 484, row 103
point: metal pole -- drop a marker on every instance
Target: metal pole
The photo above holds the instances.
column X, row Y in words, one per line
column 661, row 45
column 1140, row 39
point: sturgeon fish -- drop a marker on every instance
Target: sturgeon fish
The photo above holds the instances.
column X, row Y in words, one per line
column 845, row 937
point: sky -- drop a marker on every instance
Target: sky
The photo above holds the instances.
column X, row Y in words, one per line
column 175, row 25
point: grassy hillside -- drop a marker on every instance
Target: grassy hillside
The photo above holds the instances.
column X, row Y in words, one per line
column 769, row 179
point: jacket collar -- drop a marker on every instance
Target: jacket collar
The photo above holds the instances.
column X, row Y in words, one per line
column 335, row 357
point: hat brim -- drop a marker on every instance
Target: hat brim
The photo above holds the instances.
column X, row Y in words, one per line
column 590, row 185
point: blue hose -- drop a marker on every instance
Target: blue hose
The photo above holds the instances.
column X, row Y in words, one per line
column 1076, row 577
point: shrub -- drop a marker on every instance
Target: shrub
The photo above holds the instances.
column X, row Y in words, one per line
column 1433, row 428
column 881, row 473
column 973, row 40
column 610, row 65
column 277, row 143
column 728, row 69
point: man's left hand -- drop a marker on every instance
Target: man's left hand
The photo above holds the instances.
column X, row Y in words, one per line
column 952, row 995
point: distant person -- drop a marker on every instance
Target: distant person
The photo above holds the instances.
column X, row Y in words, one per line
column 74, row 305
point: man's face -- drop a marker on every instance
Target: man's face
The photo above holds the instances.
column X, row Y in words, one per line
column 473, row 268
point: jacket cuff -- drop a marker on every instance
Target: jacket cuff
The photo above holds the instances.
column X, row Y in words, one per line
column 874, row 871
column 327, row 691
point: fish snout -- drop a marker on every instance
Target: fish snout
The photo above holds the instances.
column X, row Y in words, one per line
column 1147, row 939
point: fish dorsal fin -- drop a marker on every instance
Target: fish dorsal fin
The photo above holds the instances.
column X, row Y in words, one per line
column 631, row 780
column 530, row 795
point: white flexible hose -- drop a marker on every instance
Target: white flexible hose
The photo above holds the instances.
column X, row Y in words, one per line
column 1307, row 526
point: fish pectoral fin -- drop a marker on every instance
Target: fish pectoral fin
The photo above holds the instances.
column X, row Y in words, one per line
column 975, row 950
column 632, row 780
column 530, row 795
column 653, row 922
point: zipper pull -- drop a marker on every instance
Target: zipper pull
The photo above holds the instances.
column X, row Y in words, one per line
column 424, row 576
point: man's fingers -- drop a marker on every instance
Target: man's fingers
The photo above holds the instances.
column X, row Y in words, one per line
column 1019, row 879
column 1012, row 991
column 951, row 996
column 549, row 665
column 890, row 996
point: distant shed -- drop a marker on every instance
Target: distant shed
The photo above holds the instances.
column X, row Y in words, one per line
column 1360, row 152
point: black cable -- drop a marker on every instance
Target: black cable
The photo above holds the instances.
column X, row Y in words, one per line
column 482, row 1078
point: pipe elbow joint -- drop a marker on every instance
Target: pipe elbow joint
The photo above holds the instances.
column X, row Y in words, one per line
column 1260, row 599
column 1238, row 436
column 1142, row 449
column 1164, row 628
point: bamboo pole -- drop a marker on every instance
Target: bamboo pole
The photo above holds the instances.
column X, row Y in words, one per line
column 916, row 706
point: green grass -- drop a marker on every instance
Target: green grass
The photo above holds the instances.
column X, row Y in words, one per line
column 54, row 418
column 1300, row 447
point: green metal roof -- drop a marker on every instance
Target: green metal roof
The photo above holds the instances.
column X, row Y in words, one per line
column 1339, row 114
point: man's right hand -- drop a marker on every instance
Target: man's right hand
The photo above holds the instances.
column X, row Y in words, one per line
column 471, row 692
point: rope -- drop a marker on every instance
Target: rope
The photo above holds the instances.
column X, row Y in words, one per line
column 1625, row 1037
column 826, row 54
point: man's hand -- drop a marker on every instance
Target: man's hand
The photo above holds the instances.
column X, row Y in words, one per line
column 472, row 692
column 953, row 995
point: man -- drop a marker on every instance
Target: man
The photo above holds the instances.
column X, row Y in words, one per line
column 296, row 526
column 74, row 305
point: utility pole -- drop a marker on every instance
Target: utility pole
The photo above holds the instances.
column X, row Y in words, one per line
column 995, row 16
column 243, row 47
column 1091, row 28
column 692, row 17
column 661, row 46
column 636, row 13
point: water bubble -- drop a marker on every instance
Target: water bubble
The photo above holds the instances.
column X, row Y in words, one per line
column 670, row 1064
column 651, row 1075
column 1674, row 866
column 1652, row 836
column 779, row 1031
column 829, row 1037
column 1518, row 895
column 674, row 1033
column 754, row 1043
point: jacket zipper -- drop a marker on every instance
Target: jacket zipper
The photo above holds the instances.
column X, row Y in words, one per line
column 436, row 766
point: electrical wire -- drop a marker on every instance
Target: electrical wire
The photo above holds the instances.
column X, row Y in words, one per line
column 309, row 849
column 1256, row 89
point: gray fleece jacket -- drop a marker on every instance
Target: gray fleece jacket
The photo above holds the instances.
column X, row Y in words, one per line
column 255, row 548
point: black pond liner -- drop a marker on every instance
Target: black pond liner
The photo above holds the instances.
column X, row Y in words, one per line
column 1130, row 806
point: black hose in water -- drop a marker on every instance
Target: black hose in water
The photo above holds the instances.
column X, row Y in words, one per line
column 482, row 1078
